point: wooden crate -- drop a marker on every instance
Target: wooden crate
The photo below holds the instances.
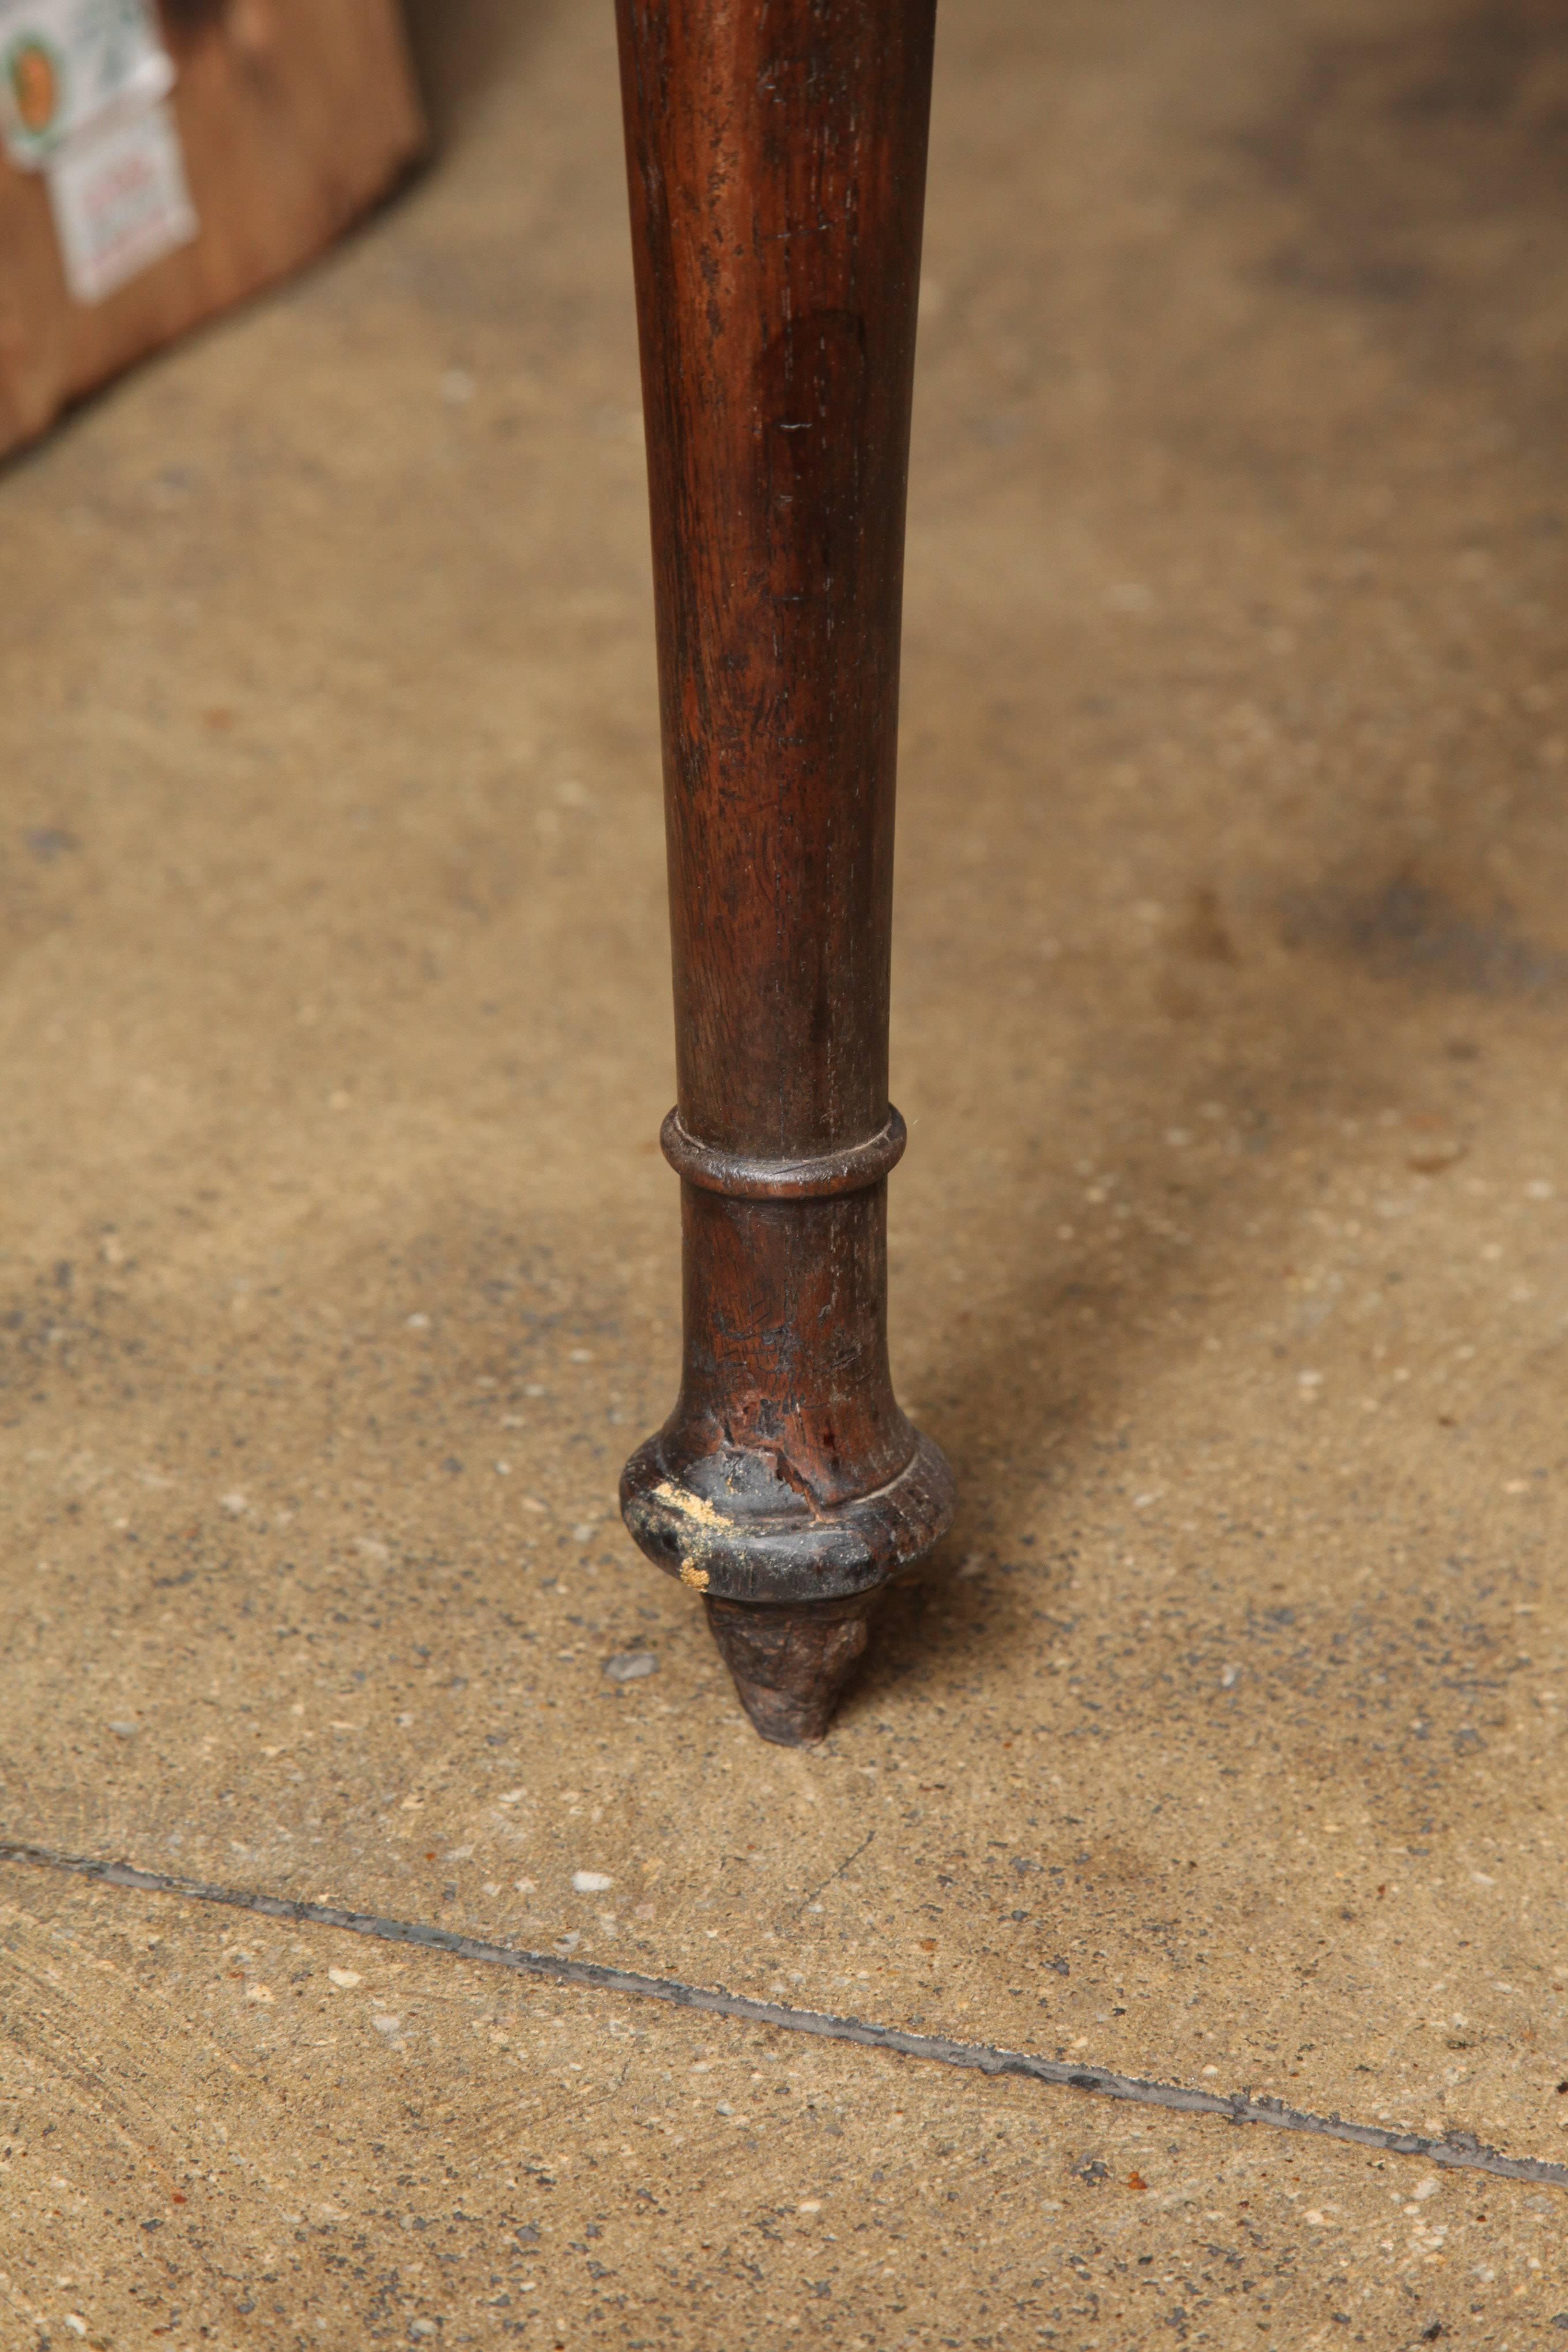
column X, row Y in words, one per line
column 293, row 115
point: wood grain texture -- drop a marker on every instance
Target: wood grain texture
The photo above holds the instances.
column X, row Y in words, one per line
column 776, row 153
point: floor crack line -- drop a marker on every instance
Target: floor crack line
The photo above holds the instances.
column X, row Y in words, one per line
column 812, row 1893
column 1460, row 2151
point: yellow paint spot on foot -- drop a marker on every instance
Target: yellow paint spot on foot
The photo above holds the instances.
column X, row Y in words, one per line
column 691, row 1506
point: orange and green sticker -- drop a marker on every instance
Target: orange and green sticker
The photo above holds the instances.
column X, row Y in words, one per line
column 65, row 65
column 36, row 72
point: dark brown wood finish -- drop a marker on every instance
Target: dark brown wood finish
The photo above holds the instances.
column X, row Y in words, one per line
column 777, row 151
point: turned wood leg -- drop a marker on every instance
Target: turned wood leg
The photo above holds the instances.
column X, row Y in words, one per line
column 776, row 153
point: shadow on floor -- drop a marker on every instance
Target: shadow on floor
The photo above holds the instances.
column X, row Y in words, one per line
column 463, row 48
column 1309, row 1009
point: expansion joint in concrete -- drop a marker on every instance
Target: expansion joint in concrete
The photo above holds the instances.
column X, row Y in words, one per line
column 1459, row 2152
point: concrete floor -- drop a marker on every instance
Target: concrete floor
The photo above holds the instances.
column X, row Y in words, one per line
column 1223, row 1746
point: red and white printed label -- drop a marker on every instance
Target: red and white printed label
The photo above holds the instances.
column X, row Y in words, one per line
column 119, row 200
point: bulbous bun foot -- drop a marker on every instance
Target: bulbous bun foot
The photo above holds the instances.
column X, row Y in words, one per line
column 742, row 1524
column 790, row 1585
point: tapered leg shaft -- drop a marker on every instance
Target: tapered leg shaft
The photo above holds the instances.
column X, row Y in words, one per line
column 776, row 153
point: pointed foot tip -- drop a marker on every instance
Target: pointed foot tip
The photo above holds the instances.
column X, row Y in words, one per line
column 787, row 1721
column 791, row 1665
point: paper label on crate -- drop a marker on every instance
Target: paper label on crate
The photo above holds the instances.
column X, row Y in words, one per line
column 63, row 63
column 119, row 200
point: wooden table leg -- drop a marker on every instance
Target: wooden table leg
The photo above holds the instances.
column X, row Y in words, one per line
column 777, row 151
